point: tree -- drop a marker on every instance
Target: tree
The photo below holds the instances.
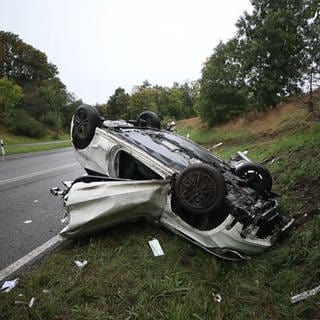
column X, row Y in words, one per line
column 143, row 98
column 10, row 95
column 189, row 95
column 117, row 105
column 272, row 48
column 21, row 62
column 223, row 92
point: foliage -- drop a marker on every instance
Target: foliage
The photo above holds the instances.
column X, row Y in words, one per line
column 143, row 98
column 117, row 106
column 21, row 62
column 35, row 88
column 21, row 123
column 272, row 47
column 10, row 95
column 223, row 92
column 176, row 102
column 274, row 54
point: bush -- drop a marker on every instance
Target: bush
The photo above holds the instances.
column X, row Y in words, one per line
column 52, row 120
column 20, row 122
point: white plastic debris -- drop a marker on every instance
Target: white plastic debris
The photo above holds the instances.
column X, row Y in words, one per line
column 45, row 291
column 81, row 264
column 217, row 297
column 35, row 201
column 9, row 285
column 27, row 221
column 31, row 302
column 305, row 295
column 156, row 248
column 216, row 145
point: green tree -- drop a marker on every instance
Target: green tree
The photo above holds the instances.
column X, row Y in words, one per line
column 21, row 62
column 10, row 95
column 143, row 98
column 175, row 102
column 189, row 95
column 272, row 48
column 223, row 92
column 117, row 105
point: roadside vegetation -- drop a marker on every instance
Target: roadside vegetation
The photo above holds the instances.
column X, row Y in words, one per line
column 123, row 280
column 14, row 144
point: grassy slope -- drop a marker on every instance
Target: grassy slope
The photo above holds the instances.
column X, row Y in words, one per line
column 14, row 143
column 124, row 281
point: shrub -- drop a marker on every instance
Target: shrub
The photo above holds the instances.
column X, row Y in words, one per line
column 20, row 122
column 52, row 120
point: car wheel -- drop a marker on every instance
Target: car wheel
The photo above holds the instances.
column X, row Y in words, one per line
column 257, row 176
column 85, row 121
column 200, row 189
column 148, row 119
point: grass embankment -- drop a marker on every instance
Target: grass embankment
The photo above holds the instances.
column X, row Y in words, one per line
column 124, row 281
column 20, row 144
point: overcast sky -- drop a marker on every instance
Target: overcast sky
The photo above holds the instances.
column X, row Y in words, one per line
column 100, row 45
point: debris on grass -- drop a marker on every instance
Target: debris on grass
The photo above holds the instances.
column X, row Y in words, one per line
column 81, row 264
column 305, row 295
column 9, row 285
column 31, row 302
column 156, row 248
column 217, row 297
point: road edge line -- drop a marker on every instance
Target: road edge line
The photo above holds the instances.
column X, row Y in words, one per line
column 53, row 242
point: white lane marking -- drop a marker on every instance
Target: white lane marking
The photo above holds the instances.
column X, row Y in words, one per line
column 29, row 257
column 37, row 173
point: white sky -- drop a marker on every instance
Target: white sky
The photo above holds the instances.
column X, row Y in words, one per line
column 100, row 45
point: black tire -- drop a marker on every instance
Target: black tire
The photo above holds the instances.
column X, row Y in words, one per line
column 200, row 189
column 148, row 119
column 85, row 121
column 257, row 176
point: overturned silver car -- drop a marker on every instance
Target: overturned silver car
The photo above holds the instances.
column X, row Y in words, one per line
column 135, row 169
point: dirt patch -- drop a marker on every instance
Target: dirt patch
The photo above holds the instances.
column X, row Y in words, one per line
column 190, row 123
column 261, row 123
column 290, row 115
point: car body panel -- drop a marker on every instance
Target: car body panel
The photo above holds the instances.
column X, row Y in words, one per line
column 96, row 205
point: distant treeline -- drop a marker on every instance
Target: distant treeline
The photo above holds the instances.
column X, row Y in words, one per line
column 274, row 54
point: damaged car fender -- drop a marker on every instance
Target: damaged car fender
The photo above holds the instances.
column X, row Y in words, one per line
column 96, row 205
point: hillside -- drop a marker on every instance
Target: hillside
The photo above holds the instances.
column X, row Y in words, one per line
column 289, row 134
column 124, row 281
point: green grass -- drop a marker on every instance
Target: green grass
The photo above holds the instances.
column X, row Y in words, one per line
column 213, row 137
column 20, row 144
column 15, row 149
column 123, row 280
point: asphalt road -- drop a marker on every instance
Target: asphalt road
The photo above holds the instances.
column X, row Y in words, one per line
column 25, row 182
